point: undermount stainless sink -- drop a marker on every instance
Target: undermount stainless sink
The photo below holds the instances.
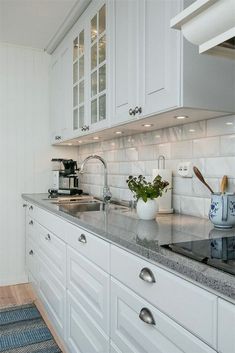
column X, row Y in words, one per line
column 73, row 208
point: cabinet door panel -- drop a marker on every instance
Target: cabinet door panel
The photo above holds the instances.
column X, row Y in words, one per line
column 53, row 295
column 132, row 335
column 125, row 59
column 83, row 336
column 226, row 327
column 159, row 50
column 90, row 285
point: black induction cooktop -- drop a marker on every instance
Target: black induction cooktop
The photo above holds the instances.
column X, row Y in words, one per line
column 217, row 252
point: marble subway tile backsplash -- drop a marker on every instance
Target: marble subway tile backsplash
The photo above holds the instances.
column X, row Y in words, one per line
column 210, row 145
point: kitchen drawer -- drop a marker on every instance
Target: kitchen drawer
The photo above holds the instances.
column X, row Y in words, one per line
column 53, row 250
column 53, row 223
column 50, row 247
column 90, row 285
column 226, row 327
column 89, row 245
column 82, row 335
column 155, row 333
column 53, row 296
column 192, row 307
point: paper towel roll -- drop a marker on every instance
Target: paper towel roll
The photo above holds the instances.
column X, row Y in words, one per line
column 165, row 202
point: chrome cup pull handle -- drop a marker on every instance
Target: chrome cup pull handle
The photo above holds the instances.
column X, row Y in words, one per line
column 147, row 275
column 82, row 239
column 31, row 252
column 31, row 222
column 146, row 316
column 48, row 237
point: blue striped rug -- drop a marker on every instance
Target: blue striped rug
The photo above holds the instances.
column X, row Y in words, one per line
column 22, row 330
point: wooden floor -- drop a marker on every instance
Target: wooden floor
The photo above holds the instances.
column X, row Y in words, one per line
column 21, row 294
column 16, row 295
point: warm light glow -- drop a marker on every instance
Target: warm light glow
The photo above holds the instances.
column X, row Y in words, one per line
column 70, row 144
column 192, row 130
column 229, row 123
column 96, row 138
column 79, row 141
column 147, row 125
column 118, row 132
column 181, row 117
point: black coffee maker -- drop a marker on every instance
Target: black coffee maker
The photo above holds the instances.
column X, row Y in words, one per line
column 64, row 177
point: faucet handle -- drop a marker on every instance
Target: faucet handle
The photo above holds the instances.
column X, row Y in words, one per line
column 107, row 194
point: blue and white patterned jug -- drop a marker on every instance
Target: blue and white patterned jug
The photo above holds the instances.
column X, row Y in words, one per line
column 222, row 210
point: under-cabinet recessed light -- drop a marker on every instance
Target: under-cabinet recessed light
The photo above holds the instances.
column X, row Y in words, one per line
column 181, row 117
column 96, row 138
column 69, row 144
column 229, row 123
column 191, row 130
column 147, row 125
column 118, row 132
column 79, row 141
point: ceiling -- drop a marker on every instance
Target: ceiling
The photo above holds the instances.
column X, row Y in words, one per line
column 33, row 23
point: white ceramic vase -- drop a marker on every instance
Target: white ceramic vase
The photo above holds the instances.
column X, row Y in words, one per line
column 146, row 210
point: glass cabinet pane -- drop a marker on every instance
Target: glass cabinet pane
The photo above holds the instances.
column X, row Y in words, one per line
column 81, row 92
column 102, row 20
column 102, row 49
column 94, row 28
column 102, row 107
column 75, row 72
column 81, row 67
column 75, row 119
column 102, row 78
column 93, row 56
column 94, row 84
column 81, row 116
column 75, row 49
column 81, row 43
column 94, row 111
column 75, row 96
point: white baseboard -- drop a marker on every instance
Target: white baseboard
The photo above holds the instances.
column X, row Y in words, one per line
column 14, row 280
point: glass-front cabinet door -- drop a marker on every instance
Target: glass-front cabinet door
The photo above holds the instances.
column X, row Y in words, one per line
column 79, row 81
column 97, row 87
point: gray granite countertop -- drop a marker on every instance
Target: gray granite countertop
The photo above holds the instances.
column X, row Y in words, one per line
column 145, row 238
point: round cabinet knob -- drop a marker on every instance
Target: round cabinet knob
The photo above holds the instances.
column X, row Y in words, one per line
column 31, row 223
column 82, row 239
column 31, row 208
column 138, row 110
column 48, row 237
column 31, row 252
column 147, row 275
column 146, row 316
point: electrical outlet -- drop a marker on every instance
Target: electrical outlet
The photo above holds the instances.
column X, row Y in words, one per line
column 185, row 169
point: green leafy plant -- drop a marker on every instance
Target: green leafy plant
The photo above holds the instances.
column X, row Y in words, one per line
column 147, row 190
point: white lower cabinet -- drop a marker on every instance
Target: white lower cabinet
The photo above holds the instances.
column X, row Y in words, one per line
column 53, row 295
column 102, row 299
column 83, row 334
column 226, row 327
column 90, row 286
column 154, row 333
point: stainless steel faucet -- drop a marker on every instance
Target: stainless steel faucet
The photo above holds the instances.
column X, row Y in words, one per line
column 106, row 191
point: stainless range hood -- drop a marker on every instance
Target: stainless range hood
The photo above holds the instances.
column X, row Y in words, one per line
column 210, row 24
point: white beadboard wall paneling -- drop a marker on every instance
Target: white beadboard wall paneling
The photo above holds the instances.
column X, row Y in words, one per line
column 210, row 145
column 25, row 151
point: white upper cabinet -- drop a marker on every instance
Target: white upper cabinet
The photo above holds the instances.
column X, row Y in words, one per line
column 122, row 62
column 60, row 88
column 160, row 56
column 156, row 70
column 125, row 60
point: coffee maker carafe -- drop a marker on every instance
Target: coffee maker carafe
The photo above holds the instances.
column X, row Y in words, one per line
column 64, row 177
